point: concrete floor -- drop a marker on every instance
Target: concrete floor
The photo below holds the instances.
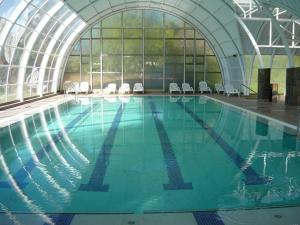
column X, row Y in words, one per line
column 277, row 110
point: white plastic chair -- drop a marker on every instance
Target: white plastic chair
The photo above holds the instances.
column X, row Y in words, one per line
column 72, row 87
column 84, row 87
column 173, row 87
column 219, row 88
column 125, row 88
column 186, row 87
column 203, row 87
column 110, row 89
column 138, row 87
column 230, row 90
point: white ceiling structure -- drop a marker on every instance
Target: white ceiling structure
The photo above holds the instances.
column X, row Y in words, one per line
column 38, row 35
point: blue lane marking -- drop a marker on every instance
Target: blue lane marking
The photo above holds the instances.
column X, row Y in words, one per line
column 97, row 178
column 252, row 178
column 208, row 218
column 23, row 172
column 176, row 181
column 61, row 219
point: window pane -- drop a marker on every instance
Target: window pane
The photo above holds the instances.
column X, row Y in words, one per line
column 154, row 72
column 133, row 18
column 133, row 47
column 112, row 46
column 112, row 33
column 153, row 18
column 133, row 70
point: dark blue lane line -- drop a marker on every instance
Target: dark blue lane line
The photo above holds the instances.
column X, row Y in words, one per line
column 24, row 172
column 97, row 178
column 61, row 219
column 208, row 218
column 176, row 181
column 252, row 178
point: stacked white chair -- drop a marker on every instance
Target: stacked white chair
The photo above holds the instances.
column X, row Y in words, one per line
column 230, row 90
column 174, row 88
column 186, row 88
column 138, row 88
column 125, row 88
column 110, row 89
column 203, row 87
column 219, row 88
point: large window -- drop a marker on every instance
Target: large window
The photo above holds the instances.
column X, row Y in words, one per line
column 145, row 46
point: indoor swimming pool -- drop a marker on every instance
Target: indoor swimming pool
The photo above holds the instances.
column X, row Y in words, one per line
column 147, row 154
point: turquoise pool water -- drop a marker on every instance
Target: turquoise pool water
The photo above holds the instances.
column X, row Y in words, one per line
column 146, row 154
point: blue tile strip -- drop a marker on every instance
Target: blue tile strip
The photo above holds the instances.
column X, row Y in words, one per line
column 61, row 219
column 97, row 178
column 23, row 172
column 176, row 181
column 208, row 218
column 252, row 178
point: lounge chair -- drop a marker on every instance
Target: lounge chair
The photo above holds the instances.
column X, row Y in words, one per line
column 84, row 87
column 173, row 87
column 125, row 88
column 203, row 87
column 110, row 89
column 230, row 90
column 186, row 88
column 71, row 87
column 219, row 88
column 138, row 87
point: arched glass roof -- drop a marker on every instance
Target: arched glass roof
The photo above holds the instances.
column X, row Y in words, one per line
column 38, row 35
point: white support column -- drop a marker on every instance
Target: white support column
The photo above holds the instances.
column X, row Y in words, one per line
column 61, row 58
column 31, row 41
column 49, row 49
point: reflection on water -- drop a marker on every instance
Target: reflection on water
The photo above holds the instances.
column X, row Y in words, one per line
column 46, row 157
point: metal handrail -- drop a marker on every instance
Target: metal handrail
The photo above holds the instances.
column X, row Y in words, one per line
column 249, row 88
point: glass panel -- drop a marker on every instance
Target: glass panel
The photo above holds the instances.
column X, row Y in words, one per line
column 85, row 47
column 175, row 33
column 96, row 33
column 154, row 72
column 212, row 64
column 112, row 47
column 173, row 21
column 133, row 70
column 112, row 70
column 153, row 18
column 112, row 33
column 133, row 33
column 174, row 70
column 96, row 47
column 72, row 72
column 154, row 33
column 154, row 47
column 113, row 21
column 174, row 47
column 133, row 47
column 133, row 18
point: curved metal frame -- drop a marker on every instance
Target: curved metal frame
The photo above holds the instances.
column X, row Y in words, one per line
column 191, row 20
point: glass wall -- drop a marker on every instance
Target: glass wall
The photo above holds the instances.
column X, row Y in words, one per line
column 145, row 46
column 32, row 33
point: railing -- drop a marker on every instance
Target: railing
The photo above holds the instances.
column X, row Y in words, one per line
column 249, row 88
